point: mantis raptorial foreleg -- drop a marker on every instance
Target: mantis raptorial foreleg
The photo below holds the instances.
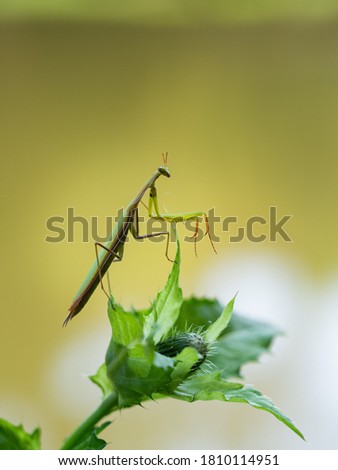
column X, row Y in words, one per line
column 180, row 217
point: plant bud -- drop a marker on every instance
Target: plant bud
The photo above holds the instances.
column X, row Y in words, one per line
column 173, row 345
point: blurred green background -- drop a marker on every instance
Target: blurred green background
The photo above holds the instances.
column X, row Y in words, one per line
column 243, row 96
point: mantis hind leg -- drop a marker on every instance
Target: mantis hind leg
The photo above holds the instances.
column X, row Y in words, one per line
column 207, row 231
column 194, row 216
column 119, row 257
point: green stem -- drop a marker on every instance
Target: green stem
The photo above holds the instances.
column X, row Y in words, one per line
column 106, row 407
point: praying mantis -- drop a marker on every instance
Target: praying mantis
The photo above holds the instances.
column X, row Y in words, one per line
column 112, row 250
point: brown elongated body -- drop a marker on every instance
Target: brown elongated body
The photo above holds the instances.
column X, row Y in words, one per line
column 112, row 250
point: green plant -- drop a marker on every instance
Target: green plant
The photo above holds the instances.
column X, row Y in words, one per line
column 186, row 349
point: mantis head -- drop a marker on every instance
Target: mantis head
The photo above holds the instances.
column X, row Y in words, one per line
column 164, row 169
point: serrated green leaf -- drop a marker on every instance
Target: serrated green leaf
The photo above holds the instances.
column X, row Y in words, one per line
column 166, row 307
column 140, row 360
column 185, row 361
column 16, row 438
column 217, row 328
column 245, row 340
column 139, row 373
column 101, row 379
column 213, row 387
column 121, row 357
column 90, row 441
column 159, row 376
column 126, row 326
column 198, row 313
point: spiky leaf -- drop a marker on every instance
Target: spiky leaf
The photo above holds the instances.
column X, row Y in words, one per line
column 16, row 438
